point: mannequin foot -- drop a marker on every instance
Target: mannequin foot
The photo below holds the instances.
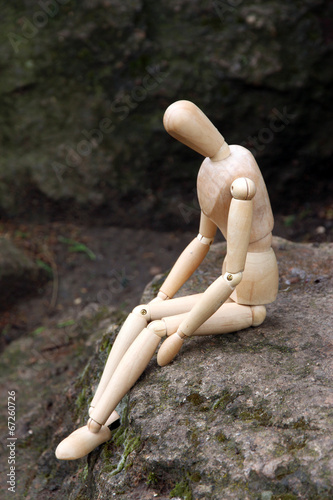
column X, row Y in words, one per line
column 81, row 442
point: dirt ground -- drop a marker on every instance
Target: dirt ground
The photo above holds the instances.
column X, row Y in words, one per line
column 110, row 266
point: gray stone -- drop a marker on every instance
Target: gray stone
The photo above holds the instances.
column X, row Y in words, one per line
column 246, row 415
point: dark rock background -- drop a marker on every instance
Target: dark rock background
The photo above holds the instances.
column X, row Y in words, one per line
column 84, row 86
column 19, row 275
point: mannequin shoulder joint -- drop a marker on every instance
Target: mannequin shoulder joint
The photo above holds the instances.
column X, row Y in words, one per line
column 243, row 188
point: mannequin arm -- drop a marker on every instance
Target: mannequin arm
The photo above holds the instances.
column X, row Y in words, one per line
column 190, row 258
column 238, row 237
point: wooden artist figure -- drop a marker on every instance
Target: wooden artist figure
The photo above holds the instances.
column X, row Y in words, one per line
column 233, row 198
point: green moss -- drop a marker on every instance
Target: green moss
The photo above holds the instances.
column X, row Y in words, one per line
column 195, row 438
column 200, row 402
column 106, row 345
column 226, row 398
column 258, row 415
column 296, row 444
column 63, row 324
column 152, row 479
column 82, row 401
column 181, row 490
column 125, row 438
column 301, row 423
column 196, row 477
column 84, row 473
column 221, row 437
column 195, row 398
column 279, row 450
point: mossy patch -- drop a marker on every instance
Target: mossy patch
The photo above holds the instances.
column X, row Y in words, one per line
column 195, row 438
column 182, row 490
column 195, row 398
column 124, row 438
column 257, row 415
column 222, row 402
column 301, row 424
column 82, row 401
column 152, row 479
column 221, row 437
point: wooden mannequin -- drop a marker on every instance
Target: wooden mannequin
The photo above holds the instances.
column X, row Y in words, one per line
column 233, row 198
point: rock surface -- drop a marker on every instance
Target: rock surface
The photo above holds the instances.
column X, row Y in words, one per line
column 241, row 416
column 84, row 87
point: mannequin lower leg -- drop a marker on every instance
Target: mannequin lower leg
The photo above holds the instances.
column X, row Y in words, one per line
column 133, row 325
column 127, row 372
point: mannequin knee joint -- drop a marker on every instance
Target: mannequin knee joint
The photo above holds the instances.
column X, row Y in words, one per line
column 142, row 310
column 158, row 327
column 258, row 315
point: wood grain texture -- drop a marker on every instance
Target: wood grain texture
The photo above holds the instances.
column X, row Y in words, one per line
column 238, row 234
column 184, row 121
column 260, row 280
column 214, row 182
column 184, row 267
